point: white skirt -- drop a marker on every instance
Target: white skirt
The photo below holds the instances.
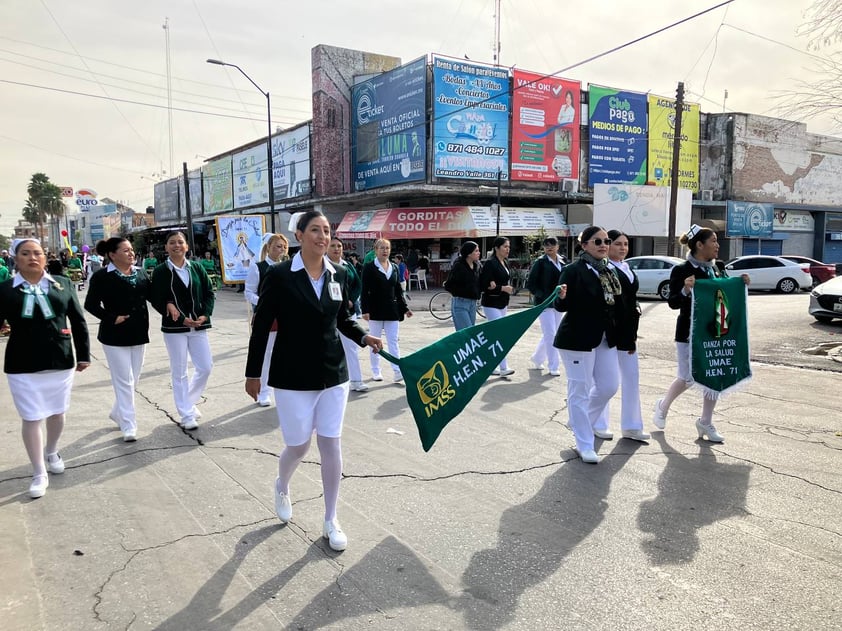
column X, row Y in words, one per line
column 38, row 395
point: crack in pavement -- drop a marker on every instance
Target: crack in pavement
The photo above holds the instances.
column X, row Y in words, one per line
column 172, row 419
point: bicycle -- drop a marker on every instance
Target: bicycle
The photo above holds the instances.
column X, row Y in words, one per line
column 440, row 306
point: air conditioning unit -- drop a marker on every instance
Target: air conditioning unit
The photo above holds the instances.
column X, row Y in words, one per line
column 570, row 185
column 707, row 195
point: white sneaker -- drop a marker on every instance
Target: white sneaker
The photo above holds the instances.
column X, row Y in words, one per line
column 39, row 486
column 129, row 436
column 710, row 431
column 283, row 505
column 555, row 373
column 191, row 423
column 377, row 377
column 264, row 403
column 332, row 531
column 398, row 378
column 54, row 463
column 359, row 386
column 507, row 371
column 636, row 434
column 588, row 455
column 604, row 434
column 659, row 418
column 496, row 372
column 533, row 365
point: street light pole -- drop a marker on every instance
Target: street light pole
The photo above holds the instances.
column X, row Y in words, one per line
column 499, row 208
column 268, row 138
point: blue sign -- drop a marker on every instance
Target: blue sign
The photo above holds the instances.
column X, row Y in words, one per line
column 617, row 125
column 471, row 105
column 750, row 220
column 388, row 127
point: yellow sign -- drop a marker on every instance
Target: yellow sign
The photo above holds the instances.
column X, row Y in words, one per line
column 661, row 134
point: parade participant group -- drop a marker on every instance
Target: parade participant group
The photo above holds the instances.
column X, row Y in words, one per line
column 309, row 307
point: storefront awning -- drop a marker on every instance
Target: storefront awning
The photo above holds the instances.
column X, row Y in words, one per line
column 457, row 222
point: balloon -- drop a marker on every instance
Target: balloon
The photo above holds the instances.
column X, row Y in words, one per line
column 86, row 249
column 75, row 249
column 64, row 233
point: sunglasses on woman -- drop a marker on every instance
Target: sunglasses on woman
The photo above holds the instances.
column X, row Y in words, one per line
column 598, row 242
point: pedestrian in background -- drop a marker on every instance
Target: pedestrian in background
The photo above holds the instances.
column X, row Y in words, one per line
column 117, row 296
column 183, row 295
column 496, row 286
column 463, row 284
column 39, row 362
column 544, row 277
column 308, row 298
column 353, row 285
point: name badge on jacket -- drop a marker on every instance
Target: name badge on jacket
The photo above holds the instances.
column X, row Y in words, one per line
column 335, row 291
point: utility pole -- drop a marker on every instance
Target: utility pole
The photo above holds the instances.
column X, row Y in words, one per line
column 188, row 211
column 676, row 151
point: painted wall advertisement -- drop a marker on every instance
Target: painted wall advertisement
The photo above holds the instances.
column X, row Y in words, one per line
column 388, row 127
column 166, row 200
column 470, row 120
column 749, row 219
column 217, row 185
column 661, row 133
column 291, row 163
column 545, row 128
column 250, row 177
column 617, row 126
column 240, row 240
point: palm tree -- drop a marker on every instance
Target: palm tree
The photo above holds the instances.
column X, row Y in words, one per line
column 44, row 202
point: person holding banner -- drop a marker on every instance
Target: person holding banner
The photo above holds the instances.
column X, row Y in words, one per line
column 353, row 284
column 463, row 285
column 494, row 280
column 701, row 264
column 543, row 278
column 307, row 296
column 383, row 304
column 590, row 297
column 274, row 251
column 628, row 318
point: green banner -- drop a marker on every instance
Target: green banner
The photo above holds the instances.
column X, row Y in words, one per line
column 719, row 353
column 442, row 378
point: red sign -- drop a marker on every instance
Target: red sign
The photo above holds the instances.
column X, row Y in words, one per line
column 546, row 116
column 66, row 191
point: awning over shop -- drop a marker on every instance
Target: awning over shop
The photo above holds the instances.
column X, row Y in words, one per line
column 450, row 222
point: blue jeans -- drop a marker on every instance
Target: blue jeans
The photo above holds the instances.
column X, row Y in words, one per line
column 464, row 312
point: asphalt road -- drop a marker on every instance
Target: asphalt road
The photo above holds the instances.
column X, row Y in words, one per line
column 499, row 526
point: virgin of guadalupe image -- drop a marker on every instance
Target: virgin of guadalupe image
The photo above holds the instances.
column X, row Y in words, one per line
column 243, row 254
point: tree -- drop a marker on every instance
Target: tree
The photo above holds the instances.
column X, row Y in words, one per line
column 822, row 25
column 44, row 201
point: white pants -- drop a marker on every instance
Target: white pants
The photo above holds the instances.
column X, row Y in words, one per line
column 390, row 328
column 495, row 314
column 630, row 416
column 125, row 364
column 187, row 391
column 592, row 379
column 265, row 390
column 352, row 358
column 550, row 320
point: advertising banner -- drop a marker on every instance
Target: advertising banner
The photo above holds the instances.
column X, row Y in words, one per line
column 194, row 186
column 640, row 211
column 217, row 185
column 166, row 200
column 470, row 120
column 388, row 127
column 749, row 219
column 251, row 179
column 545, row 128
column 793, row 221
column 661, row 133
column 617, row 125
column 291, row 163
column 240, row 240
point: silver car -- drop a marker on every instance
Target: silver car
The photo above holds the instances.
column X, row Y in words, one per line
column 772, row 272
column 653, row 272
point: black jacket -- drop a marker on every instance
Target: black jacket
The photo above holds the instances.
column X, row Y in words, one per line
column 382, row 298
column 544, row 277
column 627, row 311
column 36, row 344
column 463, row 282
column 588, row 317
column 197, row 300
column 684, row 304
column 110, row 296
column 494, row 270
column 308, row 353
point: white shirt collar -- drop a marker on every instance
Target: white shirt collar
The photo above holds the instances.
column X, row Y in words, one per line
column 298, row 264
column 173, row 266
column 45, row 281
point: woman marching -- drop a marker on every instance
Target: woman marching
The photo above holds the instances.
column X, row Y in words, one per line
column 701, row 263
column 39, row 358
column 383, row 304
column 494, row 280
column 117, row 296
column 589, row 296
column 543, row 278
column 183, row 295
column 353, row 284
column 628, row 318
column 463, row 285
column 307, row 297
column 274, row 251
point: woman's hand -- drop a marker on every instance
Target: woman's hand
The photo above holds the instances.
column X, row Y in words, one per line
column 492, row 285
column 253, row 387
column 746, row 279
column 172, row 312
column 375, row 343
column 507, row 289
column 120, row 319
column 365, row 317
column 689, row 283
column 80, row 366
column 562, row 291
column 408, row 314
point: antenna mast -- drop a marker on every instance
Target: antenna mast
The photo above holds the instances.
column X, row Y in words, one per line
column 166, row 28
column 496, row 32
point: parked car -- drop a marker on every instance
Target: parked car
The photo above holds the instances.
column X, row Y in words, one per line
column 821, row 272
column 826, row 300
column 654, row 273
column 772, row 272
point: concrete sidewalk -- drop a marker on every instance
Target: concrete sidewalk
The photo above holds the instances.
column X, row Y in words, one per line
column 499, row 526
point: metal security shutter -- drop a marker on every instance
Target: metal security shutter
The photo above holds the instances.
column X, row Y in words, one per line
column 769, row 247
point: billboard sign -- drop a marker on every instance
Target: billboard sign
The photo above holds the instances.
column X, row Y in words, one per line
column 85, row 198
column 661, row 133
column 388, row 127
column 749, row 219
column 166, row 200
column 194, row 187
column 545, row 128
column 251, row 179
column 291, row 163
column 640, row 211
column 617, row 126
column 470, row 120
column 217, row 185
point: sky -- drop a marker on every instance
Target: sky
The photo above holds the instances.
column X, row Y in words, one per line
column 84, row 84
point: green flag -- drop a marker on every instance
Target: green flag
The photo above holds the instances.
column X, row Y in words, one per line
column 442, row 378
column 719, row 353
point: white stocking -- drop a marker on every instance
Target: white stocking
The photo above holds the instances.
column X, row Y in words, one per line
column 33, row 440
column 330, row 450
column 290, row 458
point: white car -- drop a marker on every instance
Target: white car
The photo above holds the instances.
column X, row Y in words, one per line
column 772, row 272
column 653, row 272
